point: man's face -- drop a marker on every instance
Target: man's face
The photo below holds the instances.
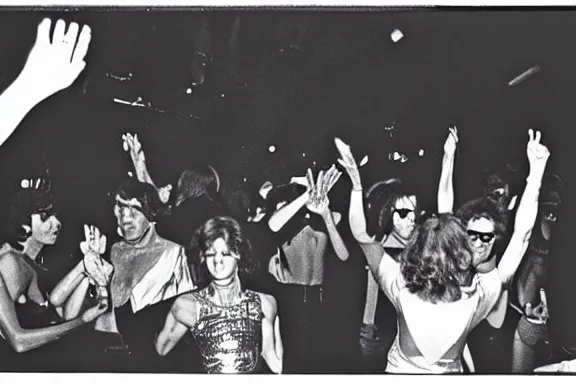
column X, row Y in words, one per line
column 130, row 219
column 481, row 238
column 45, row 228
column 404, row 216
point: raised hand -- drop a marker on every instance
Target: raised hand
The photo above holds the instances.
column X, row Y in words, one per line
column 318, row 201
column 98, row 269
column 132, row 145
column 347, row 161
column 537, row 153
column 53, row 65
column 164, row 193
column 451, row 142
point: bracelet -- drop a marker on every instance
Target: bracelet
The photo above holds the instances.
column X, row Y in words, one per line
column 357, row 190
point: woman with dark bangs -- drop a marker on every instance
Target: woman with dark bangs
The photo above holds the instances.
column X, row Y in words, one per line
column 234, row 328
column 437, row 293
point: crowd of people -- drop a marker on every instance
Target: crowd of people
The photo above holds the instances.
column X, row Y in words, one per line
column 204, row 280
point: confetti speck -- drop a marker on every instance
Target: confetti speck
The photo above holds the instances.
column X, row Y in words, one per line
column 272, row 149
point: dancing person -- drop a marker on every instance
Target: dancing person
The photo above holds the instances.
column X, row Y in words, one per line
column 530, row 347
column 30, row 316
column 299, row 267
column 234, row 328
column 148, row 271
column 52, row 65
column 438, row 294
column 392, row 212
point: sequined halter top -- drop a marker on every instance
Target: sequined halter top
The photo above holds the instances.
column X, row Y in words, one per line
column 229, row 338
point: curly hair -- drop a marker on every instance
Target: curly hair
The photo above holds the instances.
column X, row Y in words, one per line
column 381, row 199
column 487, row 208
column 438, row 260
column 231, row 232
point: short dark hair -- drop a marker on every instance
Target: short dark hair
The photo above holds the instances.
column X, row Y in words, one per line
column 487, row 208
column 145, row 193
column 195, row 183
column 231, row 232
column 26, row 203
column 438, row 260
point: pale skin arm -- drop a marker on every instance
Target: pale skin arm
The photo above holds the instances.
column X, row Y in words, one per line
column 180, row 319
column 527, row 210
column 272, row 349
column 378, row 261
column 22, row 340
column 51, row 66
column 446, row 184
column 319, row 204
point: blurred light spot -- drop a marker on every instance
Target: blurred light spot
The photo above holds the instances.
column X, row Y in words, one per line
column 421, row 153
column 188, row 91
column 364, row 161
column 272, row 149
column 396, row 35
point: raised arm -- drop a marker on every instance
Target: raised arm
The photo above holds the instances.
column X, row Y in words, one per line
column 182, row 316
column 272, row 348
column 319, row 204
column 22, row 340
column 373, row 250
column 446, row 184
column 51, row 67
column 527, row 210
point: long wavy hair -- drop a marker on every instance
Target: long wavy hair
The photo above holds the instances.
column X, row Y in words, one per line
column 231, row 232
column 438, row 260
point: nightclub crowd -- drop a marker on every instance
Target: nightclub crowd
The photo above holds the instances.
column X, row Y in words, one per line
column 203, row 279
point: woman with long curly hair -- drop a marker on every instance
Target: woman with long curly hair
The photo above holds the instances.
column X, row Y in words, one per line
column 438, row 293
column 236, row 329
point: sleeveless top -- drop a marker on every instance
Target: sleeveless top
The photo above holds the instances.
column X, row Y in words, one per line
column 229, row 338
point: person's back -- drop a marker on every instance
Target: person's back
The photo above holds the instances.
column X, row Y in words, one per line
column 305, row 256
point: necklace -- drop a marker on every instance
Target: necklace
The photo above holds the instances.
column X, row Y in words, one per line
column 227, row 295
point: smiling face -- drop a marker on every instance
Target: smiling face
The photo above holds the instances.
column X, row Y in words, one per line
column 404, row 216
column 222, row 263
column 45, row 228
column 481, row 239
column 130, row 219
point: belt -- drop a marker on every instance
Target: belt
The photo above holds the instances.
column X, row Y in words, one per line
column 307, row 293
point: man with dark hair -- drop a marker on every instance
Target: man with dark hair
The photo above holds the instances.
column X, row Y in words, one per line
column 148, row 270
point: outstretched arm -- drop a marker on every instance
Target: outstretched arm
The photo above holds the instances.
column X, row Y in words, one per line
column 181, row 317
column 51, row 67
column 527, row 210
column 446, row 184
column 380, row 263
column 272, row 349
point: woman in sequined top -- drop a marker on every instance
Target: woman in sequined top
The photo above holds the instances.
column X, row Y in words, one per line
column 235, row 329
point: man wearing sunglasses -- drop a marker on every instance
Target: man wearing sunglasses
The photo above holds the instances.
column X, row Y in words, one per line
column 392, row 213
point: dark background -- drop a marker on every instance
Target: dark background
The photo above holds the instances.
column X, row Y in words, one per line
column 350, row 80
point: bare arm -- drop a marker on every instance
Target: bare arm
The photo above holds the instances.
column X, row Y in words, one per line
column 23, row 340
column 67, row 285
column 272, row 349
column 527, row 210
column 74, row 305
column 446, row 184
column 335, row 238
column 51, row 66
column 182, row 316
column 284, row 214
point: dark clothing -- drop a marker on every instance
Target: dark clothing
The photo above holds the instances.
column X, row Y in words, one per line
column 185, row 219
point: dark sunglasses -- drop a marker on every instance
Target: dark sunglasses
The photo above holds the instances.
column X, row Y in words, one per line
column 484, row 237
column 403, row 212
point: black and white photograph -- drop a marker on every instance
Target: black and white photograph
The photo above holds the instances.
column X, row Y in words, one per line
column 296, row 190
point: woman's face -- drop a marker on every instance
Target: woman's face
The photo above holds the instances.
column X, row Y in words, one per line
column 481, row 238
column 45, row 228
column 222, row 263
column 404, row 216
